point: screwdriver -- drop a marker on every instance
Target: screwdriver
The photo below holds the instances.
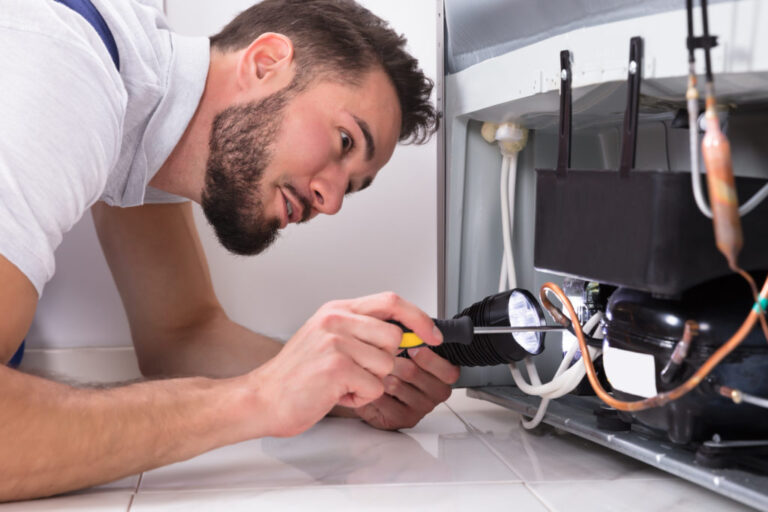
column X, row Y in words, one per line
column 462, row 330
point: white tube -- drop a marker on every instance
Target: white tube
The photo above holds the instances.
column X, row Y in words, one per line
column 693, row 147
column 503, row 275
column 756, row 199
column 508, row 171
column 698, row 193
column 754, row 400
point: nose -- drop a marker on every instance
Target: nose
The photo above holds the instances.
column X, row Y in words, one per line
column 328, row 191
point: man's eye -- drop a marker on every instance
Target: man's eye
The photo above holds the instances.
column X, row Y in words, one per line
column 346, row 142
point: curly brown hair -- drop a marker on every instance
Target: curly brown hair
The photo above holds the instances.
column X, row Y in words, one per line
column 341, row 40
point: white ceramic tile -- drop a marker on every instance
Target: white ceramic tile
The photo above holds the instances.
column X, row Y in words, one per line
column 403, row 498
column 667, row 495
column 342, row 451
column 90, row 502
column 549, row 456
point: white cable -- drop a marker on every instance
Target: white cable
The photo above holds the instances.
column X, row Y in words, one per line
column 698, row 193
column 542, row 389
column 503, row 275
column 564, row 381
column 534, row 422
column 508, row 175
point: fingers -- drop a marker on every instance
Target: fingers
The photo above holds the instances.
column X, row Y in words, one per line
column 389, row 414
column 409, row 372
column 414, row 398
column 377, row 361
column 337, row 318
column 390, row 306
column 367, row 388
column 435, row 365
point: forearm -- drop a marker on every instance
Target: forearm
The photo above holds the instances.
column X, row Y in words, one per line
column 55, row 438
column 215, row 347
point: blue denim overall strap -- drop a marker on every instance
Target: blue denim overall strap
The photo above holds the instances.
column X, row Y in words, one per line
column 85, row 9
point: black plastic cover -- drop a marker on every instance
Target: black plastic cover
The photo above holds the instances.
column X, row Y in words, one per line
column 641, row 230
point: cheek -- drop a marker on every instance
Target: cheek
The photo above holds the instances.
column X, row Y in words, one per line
column 303, row 148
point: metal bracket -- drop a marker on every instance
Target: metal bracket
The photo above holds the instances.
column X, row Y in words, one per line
column 564, row 145
column 704, row 42
column 629, row 132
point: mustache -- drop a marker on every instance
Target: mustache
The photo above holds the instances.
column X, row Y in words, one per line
column 306, row 204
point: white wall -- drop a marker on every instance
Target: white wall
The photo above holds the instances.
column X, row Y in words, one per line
column 384, row 238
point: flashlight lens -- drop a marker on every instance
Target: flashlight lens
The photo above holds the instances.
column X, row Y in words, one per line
column 522, row 312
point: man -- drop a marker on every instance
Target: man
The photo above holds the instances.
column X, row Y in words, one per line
column 293, row 105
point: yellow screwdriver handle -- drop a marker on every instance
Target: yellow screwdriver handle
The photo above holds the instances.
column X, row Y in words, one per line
column 410, row 340
column 457, row 330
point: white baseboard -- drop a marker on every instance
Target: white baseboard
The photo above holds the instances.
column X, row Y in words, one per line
column 87, row 365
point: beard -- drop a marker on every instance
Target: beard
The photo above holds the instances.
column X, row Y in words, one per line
column 240, row 149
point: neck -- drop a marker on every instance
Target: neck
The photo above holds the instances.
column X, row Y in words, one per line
column 183, row 172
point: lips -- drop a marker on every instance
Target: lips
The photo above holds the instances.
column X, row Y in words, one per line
column 292, row 210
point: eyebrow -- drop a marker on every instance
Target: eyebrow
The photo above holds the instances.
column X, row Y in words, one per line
column 370, row 149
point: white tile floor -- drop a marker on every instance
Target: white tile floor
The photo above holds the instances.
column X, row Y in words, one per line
column 468, row 455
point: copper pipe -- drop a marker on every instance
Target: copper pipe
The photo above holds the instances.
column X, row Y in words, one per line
column 661, row 398
column 722, row 187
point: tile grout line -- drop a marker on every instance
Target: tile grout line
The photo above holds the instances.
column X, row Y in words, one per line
column 192, row 490
column 130, row 502
column 473, row 430
column 538, row 497
column 135, row 491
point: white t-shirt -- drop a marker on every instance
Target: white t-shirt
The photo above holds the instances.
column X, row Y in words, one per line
column 74, row 130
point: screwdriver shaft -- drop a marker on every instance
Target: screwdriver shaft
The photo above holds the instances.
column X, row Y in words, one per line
column 523, row 328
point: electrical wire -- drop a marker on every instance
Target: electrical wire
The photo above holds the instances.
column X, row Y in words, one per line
column 661, row 398
column 537, row 388
column 508, row 179
column 564, row 381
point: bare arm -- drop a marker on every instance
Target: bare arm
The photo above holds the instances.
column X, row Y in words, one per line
column 177, row 323
column 55, row 438
column 179, row 328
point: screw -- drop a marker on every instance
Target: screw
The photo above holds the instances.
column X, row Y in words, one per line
column 632, row 67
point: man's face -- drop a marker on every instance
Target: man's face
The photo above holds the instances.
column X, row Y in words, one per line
column 288, row 157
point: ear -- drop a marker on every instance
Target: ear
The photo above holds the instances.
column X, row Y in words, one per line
column 268, row 58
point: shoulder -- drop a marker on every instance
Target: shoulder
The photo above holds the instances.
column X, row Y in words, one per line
column 63, row 110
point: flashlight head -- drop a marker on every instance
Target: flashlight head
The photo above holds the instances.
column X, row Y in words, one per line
column 514, row 307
